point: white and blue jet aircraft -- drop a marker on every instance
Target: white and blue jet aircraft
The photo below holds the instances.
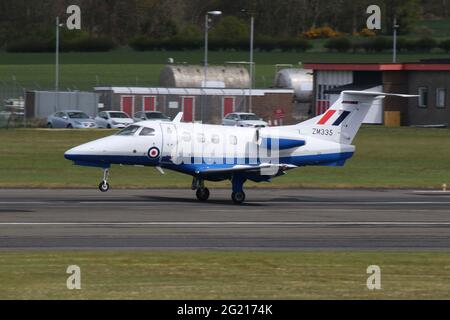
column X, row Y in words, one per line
column 216, row 153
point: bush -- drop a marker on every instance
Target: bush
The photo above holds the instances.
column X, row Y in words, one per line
column 143, row 43
column 338, row 44
column 78, row 45
column 299, row 45
column 102, row 44
column 445, row 45
column 425, row 44
column 320, row 33
column 377, row 44
column 265, row 44
column 30, row 45
column 367, row 33
column 178, row 43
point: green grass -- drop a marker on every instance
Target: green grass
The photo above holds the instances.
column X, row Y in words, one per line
column 224, row 275
column 384, row 158
column 82, row 71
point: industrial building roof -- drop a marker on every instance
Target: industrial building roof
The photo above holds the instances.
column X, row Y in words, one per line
column 192, row 91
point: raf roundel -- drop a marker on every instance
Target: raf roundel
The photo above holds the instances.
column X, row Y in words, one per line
column 153, row 152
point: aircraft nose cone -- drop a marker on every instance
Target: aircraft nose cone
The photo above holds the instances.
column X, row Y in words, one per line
column 71, row 153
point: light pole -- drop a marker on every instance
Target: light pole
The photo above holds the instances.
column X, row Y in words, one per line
column 205, row 80
column 394, row 49
column 251, row 64
column 212, row 13
column 252, row 22
column 58, row 25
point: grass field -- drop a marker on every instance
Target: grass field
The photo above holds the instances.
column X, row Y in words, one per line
column 82, row 71
column 224, row 275
column 384, row 158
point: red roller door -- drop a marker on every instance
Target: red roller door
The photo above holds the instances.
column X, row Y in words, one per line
column 228, row 105
column 188, row 109
column 149, row 104
column 127, row 105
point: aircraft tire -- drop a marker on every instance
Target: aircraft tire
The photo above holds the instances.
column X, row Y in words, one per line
column 238, row 197
column 103, row 186
column 202, row 194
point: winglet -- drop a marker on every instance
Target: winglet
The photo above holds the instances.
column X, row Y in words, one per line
column 178, row 118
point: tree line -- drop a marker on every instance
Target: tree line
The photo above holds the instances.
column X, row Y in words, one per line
column 121, row 22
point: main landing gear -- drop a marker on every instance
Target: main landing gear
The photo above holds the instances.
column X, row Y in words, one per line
column 238, row 194
column 104, row 185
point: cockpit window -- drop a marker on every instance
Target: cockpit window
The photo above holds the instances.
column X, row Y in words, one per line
column 128, row 131
column 147, row 132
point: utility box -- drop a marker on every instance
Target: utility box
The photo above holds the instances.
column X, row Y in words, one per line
column 392, row 118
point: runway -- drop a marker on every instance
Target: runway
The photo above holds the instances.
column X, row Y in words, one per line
column 271, row 219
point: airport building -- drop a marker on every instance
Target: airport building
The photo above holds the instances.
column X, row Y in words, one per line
column 207, row 105
column 430, row 79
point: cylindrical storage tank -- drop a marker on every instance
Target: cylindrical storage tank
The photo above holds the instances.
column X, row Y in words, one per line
column 301, row 80
column 189, row 76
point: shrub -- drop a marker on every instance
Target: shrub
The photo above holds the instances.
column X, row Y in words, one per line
column 425, row 44
column 144, row 43
column 265, row 44
column 30, row 45
column 102, row 44
column 367, row 33
column 338, row 44
column 300, row 45
column 377, row 44
column 318, row 33
column 445, row 45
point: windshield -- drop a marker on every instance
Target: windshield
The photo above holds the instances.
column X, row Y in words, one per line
column 118, row 115
column 78, row 115
column 156, row 115
column 128, row 131
column 249, row 117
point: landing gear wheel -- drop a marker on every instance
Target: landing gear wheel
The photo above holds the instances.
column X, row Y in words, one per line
column 202, row 194
column 103, row 186
column 238, row 197
column 108, row 126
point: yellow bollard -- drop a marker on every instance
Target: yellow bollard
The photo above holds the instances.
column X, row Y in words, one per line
column 444, row 187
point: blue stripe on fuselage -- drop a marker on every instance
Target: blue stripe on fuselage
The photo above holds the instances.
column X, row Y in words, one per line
column 192, row 167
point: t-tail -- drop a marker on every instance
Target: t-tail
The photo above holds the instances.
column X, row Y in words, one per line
column 342, row 120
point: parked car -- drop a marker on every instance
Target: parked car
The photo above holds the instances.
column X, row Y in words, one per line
column 150, row 115
column 242, row 119
column 70, row 119
column 113, row 119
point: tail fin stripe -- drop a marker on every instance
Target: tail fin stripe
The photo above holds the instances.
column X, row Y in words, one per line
column 326, row 116
column 341, row 118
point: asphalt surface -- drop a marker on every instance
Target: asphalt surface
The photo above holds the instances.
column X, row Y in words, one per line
column 270, row 219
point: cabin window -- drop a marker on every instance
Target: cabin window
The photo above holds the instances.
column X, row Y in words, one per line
column 186, row 137
column 147, row 132
column 233, row 140
column 128, row 131
column 201, row 138
column 423, row 97
column 215, row 139
column 440, row 97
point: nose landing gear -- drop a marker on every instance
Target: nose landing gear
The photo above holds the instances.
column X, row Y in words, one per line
column 104, row 185
column 202, row 192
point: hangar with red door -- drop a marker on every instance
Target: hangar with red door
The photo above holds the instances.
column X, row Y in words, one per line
column 207, row 105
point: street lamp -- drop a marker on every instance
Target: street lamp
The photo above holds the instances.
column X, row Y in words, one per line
column 252, row 24
column 394, row 40
column 58, row 25
column 209, row 13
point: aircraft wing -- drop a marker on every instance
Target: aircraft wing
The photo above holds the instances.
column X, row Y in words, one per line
column 245, row 168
